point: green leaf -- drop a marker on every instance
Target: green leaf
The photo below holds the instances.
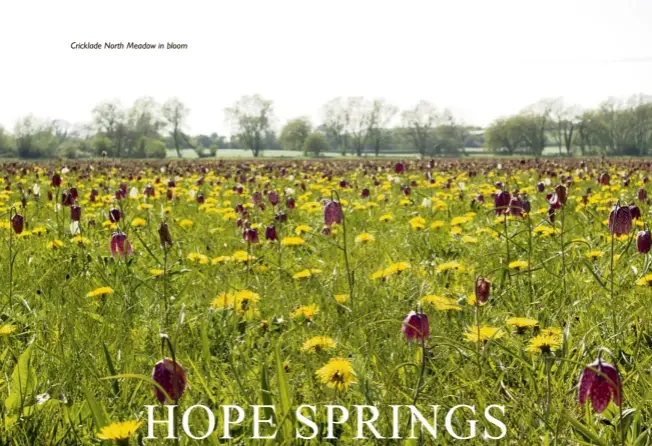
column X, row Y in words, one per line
column 109, row 363
column 99, row 414
column 284, row 395
column 23, row 382
column 585, row 431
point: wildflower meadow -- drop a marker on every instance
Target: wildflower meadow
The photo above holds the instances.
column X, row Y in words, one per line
column 518, row 289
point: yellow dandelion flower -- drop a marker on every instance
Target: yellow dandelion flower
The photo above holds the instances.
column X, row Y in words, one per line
column 156, row 272
column 306, row 312
column 441, row 303
column 544, row 343
column 594, row 254
column 449, row 266
column 196, row 257
column 39, row 230
column 292, row 241
column 54, row 244
column 386, row 217
column 518, row 265
column 7, row 329
column 138, row 222
column 417, row 223
column 318, row 343
column 521, row 324
column 645, row 280
column 337, row 374
column 365, row 238
column 243, row 256
column 483, row 333
column 301, row 229
column 80, row 240
column 456, row 221
column 223, row 300
column 145, row 206
column 304, row 274
column 119, row 431
column 185, row 223
column 100, row 291
column 469, row 239
column 220, row 259
column 437, row 224
column 341, row 298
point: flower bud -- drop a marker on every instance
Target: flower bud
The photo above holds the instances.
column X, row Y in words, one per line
column 482, row 290
column 164, row 234
column 17, row 223
column 171, row 377
column 643, row 241
column 416, row 326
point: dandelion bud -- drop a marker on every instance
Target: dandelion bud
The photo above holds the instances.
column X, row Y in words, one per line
column 75, row 213
column 601, row 387
column 620, row 220
column 332, row 212
column 270, row 233
column 164, row 234
column 482, row 290
column 171, row 377
column 114, row 215
column 643, row 241
column 120, row 244
column 17, row 223
column 415, row 326
column 501, row 202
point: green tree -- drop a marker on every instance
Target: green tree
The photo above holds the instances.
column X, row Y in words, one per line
column 175, row 114
column 316, row 144
column 335, row 123
column 382, row 115
column 294, row 134
column 419, row 127
column 251, row 118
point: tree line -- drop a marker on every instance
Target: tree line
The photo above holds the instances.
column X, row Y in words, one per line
column 620, row 127
column 347, row 125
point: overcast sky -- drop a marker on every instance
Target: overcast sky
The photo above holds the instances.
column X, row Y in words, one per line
column 483, row 59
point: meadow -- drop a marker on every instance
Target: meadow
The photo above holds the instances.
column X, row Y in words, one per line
column 518, row 283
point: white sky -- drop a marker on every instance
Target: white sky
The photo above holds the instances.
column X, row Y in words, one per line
column 482, row 58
